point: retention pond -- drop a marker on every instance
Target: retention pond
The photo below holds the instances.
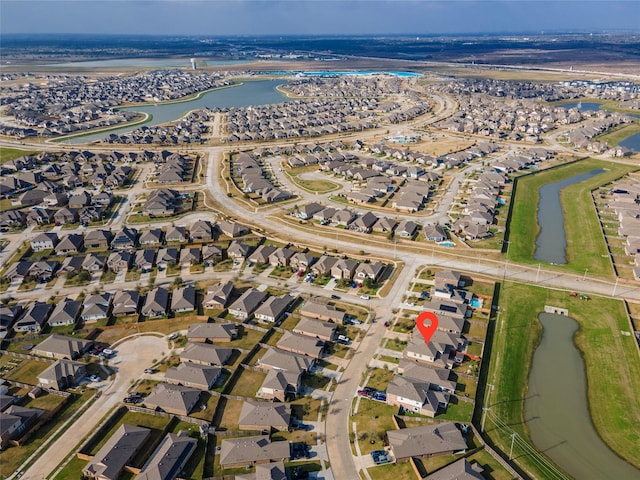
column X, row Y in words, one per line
column 551, row 243
column 557, row 408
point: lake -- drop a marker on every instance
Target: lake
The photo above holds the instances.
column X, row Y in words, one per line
column 261, row 92
column 557, row 410
column 145, row 62
column 551, row 242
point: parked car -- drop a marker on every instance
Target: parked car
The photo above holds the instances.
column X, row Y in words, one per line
column 380, row 457
column 108, row 351
column 95, row 378
column 343, row 339
column 149, row 370
column 365, row 297
column 335, row 297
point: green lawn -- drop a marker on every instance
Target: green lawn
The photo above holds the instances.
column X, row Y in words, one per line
column 7, row 153
column 373, row 420
column 11, row 458
column 248, row 383
column 602, row 345
column 492, row 470
column 397, row 471
column 379, row 378
column 585, row 244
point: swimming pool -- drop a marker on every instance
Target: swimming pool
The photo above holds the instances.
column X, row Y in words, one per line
column 476, row 302
column 447, row 244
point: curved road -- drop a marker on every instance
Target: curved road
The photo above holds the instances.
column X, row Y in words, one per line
column 132, row 356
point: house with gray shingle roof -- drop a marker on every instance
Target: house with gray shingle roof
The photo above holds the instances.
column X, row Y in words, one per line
column 276, row 359
column 245, row 451
column 59, row 346
column 169, row 459
column 193, row 375
column 126, row 302
column 322, row 311
column 266, row 471
column 315, row 328
column 273, row 308
column 65, row 312
column 96, row 307
column 62, row 374
column 175, row 399
column 183, row 299
column 156, row 303
column 212, row 332
column 264, row 416
column 218, row 296
column 34, row 318
column 248, row 302
column 109, row 462
column 426, row 441
column 70, row 244
column 205, row 354
column 301, row 344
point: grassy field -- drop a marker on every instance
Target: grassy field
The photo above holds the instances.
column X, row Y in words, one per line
column 618, row 134
column 585, row 244
column 7, row 154
column 603, row 347
column 317, row 185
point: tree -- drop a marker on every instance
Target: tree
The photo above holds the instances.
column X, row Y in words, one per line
column 178, row 282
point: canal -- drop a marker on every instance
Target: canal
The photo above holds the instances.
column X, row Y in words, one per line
column 260, row 92
column 557, row 410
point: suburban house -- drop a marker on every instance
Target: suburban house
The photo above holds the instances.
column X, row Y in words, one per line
column 44, row 241
column 233, row 229
column 275, row 359
column 8, row 316
column 314, row 328
column 190, row 256
column 434, row 233
column 322, row 311
column 34, row 318
column 169, row 458
column 98, row 239
column 212, row 332
column 15, row 421
column 66, row 312
column 248, row 302
column 96, row 307
column 119, row 261
column 274, row 308
column 93, row 263
column 125, row 302
column 458, row 470
column 62, row 374
column 193, row 375
column 175, row 399
column 266, row 471
column 125, row 239
column 109, row 462
column 264, row 416
column 156, row 303
column 406, row 229
column 344, row 269
column 438, row 378
column 143, row 259
column 301, row 344
column 183, row 299
column 205, row 354
column 59, row 346
column 438, row 351
column 426, row 441
column 70, row 244
column 218, row 296
column 245, row 451
column 371, row 270
column 151, row 238
column 323, row 266
column 238, row 250
column 167, row 256
column 416, row 396
column 202, row 231
column 177, row 234
column 262, row 254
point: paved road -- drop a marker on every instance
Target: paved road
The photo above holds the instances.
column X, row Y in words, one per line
column 338, row 417
column 133, row 355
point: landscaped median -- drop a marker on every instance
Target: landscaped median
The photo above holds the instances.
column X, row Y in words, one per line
column 612, row 366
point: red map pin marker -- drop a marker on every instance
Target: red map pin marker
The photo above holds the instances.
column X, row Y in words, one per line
column 427, row 330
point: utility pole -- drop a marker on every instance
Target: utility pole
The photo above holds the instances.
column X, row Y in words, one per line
column 484, row 416
column 513, row 438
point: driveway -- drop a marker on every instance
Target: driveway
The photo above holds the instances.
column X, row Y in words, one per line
column 132, row 355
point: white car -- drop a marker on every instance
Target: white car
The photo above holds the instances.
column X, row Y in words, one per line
column 108, row 351
column 95, row 378
column 365, row 297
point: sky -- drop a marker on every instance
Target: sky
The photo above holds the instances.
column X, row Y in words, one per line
column 316, row 17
